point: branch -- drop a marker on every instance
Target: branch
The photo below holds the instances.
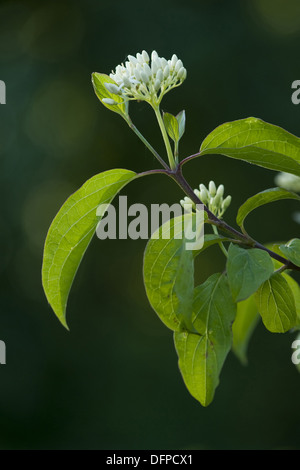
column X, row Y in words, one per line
column 177, row 176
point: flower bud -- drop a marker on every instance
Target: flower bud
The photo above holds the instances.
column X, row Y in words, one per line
column 187, row 204
column 154, row 55
column 109, row 101
column 137, row 72
column 144, row 77
column 112, row 88
column 178, row 65
column 216, row 201
column 182, row 74
column 147, row 70
column 174, row 60
column 140, row 58
column 163, row 62
column 166, row 71
column 197, row 192
column 157, row 84
column 220, row 190
column 160, row 75
column 132, row 59
column 145, row 56
column 226, row 203
column 155, row 66
column 126, row 82
column 212, row 188
column 204, row 195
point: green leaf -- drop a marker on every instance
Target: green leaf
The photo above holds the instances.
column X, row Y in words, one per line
column 247, row 270
column 181, row 119
column 295, row 288
column 276, row 304
column 292, row 251
column 175, row 126
column 99, row 80
column 243, row 327
column 264, row 197
column 71, row 232
column 169, row 275
column 257, row 142
column 172, row 126
column 202, row 354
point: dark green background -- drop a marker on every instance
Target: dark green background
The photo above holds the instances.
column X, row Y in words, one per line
column 113, row 381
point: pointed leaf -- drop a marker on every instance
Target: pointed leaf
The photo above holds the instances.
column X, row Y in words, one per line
column 71, row 232
column 169, row 275
column 99, row 80
column 247, row 270
column 257, row 142
column 292, row 251
column 172, row 126
column 276, row 304
column 202, row 354
column 295, row 288
column 264, row 197
column 181, row 119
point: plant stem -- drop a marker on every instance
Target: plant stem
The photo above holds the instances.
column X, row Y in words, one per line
column 148, row 145
column 165, row 137
column 222, row 247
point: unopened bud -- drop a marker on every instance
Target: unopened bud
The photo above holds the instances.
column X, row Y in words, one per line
column 157, row 84
column 197, row 192
column 147, row 70
column 220, row 190
column 166, row 71
column 204, row 195
column 212, row 188
column 109, row 101
column 154, row 55
column 126, row 82
column 182, row 73
column 140, row 58
column 144, row 77
column 145, row 56
column 178, row 65
column 138, row 70
column 216, row 201
column 112, row 88
column 174, row 60
column 132, row 59
column 156, row 65
column 160, row 75
column 226, row 203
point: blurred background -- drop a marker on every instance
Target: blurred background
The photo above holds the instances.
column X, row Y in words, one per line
column 113, row 381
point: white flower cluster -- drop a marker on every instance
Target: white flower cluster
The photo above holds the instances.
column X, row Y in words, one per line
column 141, row 80
column 288, row 182
column 212, row 197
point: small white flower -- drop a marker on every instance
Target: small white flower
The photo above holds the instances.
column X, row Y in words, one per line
column 288, row 182
column 140, row 80
column 212, row 197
